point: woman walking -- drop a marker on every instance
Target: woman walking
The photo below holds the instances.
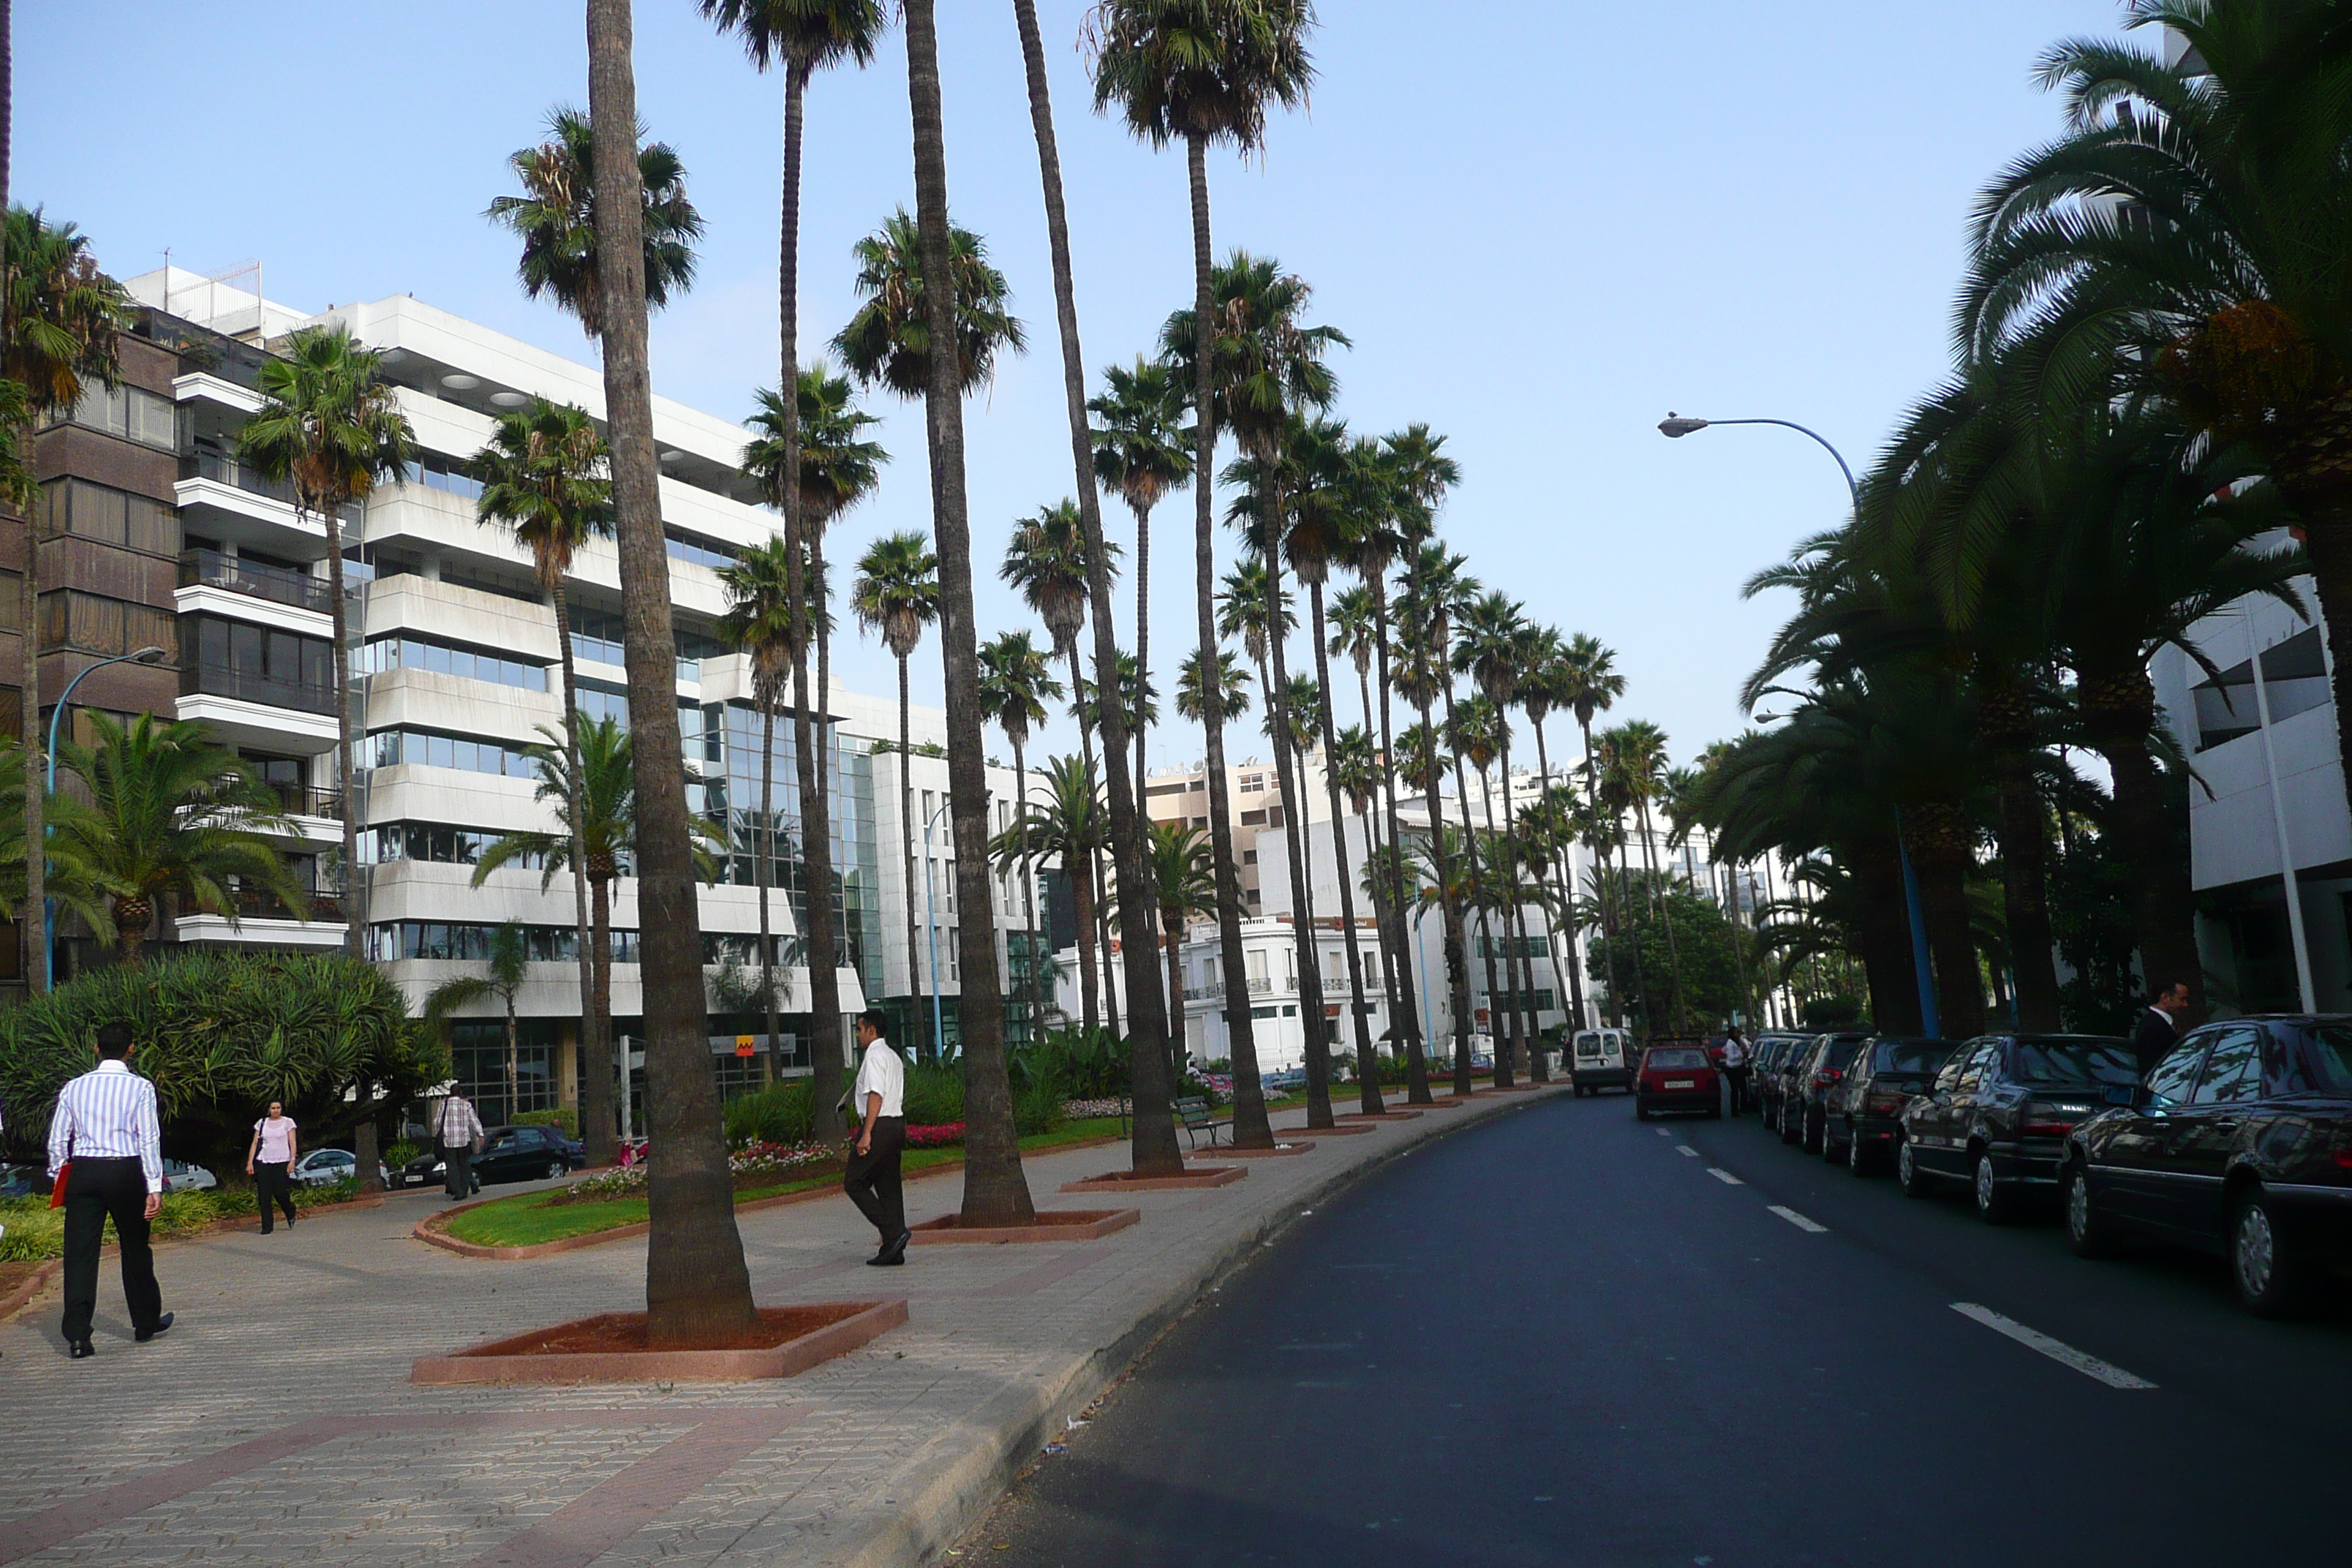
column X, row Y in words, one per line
column 267, row 1159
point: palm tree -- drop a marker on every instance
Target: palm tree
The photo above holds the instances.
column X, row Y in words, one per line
column 331, row 426
column 896, row 595
column 698, row 1290
column 1184, row 881
column 1475, row 732
column 1635, row 752
column 1590, row 686
column 171, row 814
column 835, row 469
column 1443, row 593
column 543, row 475
column 995, row 1191
column 760, row 624
column 556, row 219
column 1496, row 645
column 1067, row 822
column 1139, row 452
column 1181, row 70
column 508, row 965
column 1016, row 681
column 887, row 340
column 1232, row 687
column 1544, row 689
column 58, row 318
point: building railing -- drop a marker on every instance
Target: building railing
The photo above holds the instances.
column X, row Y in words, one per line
column 207, row 681
column 279, row 585
column 254, row 904
column 301, row 800
column 205, row 463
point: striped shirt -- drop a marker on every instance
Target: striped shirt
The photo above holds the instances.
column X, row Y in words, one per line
column 457, row 1124
column 109, row 1114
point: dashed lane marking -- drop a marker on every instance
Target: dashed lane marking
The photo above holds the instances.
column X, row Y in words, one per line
column 2056, row 1350
column 1800, row 1221
column 1685, row 1149
column 1663, row 1132
column 1726, row 1177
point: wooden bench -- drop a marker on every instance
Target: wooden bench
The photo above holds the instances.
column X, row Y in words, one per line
column 1196, row 1118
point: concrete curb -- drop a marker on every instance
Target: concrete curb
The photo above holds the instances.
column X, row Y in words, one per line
column 987, row 1453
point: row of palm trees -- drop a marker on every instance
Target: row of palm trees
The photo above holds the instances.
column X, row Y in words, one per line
column 2146, row 426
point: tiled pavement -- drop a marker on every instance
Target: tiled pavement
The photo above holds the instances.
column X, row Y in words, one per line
column 274, row 1424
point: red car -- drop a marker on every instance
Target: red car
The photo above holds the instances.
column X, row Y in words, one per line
column 1676, row 1078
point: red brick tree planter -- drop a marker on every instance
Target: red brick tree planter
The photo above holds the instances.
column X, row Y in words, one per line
column 1053, row 1224
column 611, row 1348
column 1128, row 1182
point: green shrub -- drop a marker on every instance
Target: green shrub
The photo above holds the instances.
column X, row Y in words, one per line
column 561, row 1116
column 934, row 1095
column 36, row 1231
column 399, row 1152
column 781, row 1113
column 1037, row 1108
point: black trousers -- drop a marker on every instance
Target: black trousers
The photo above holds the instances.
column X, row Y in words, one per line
column 96, row 1190
column 872, row 1179
column 457, row 1171
column 1737, row 1079
column 273, row 1189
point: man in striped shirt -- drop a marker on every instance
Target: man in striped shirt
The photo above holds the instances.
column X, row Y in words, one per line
column 105, row 1124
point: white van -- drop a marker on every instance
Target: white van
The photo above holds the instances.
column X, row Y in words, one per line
column 1600, row 1062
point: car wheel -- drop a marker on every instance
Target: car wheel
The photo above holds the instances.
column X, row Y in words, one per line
column 1641, row 1111
column 1812, row 1136
column 1995, row 1204
column 2088, row 1231
column 555, row 1171
column 1790, row 1129
column 2265, row 1265
column 1833, row 1152
column 1857, row 1158
column 1910, row 1174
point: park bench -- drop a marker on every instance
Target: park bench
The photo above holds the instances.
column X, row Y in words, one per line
column 1196, row 1118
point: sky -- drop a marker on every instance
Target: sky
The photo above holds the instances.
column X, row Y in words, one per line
column 1541, row 235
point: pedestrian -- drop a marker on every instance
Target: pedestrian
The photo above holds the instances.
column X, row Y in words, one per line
column 269, row 1161
column 458, row 1129
column 107, row 1149
column 872, row 1179
column 1735, row 1070
column 2159, row 1027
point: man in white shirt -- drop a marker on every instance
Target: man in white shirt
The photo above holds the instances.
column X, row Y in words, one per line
column 105, row 1125
column 872, row 1178
column 1735, row 1070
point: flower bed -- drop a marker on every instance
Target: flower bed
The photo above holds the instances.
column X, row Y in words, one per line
column 945, row 1135
column 1082, row 1110
column 36, row 1232
column 754, row 1166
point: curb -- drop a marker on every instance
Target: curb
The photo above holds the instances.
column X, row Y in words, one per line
column 994, row 1448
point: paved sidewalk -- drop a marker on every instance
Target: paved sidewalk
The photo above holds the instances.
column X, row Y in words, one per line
column 276, row 1425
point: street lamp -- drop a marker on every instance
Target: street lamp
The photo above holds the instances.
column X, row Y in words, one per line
column 148, row 654
column 1673, row 428
column 931, row 920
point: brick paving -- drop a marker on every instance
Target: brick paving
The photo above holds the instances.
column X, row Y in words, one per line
column 274, row 1424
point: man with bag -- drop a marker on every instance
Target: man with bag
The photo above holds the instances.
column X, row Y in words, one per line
column 106, row 1162
column 458, row 1129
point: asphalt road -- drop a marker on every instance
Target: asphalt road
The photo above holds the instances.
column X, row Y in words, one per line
column 1563, row 1337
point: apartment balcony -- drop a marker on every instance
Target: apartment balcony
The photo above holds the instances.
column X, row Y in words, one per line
column 264, row 922
column 274, row 584
column 232, row 499
column 257, row 712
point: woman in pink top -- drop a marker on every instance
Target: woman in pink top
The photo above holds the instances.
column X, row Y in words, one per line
column 268, row 1159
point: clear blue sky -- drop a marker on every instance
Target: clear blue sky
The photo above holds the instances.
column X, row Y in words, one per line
column 1542, row 233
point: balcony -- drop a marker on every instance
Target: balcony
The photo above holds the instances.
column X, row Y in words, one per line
column 211, row 569
column 258, row 713
column 210, row 680
column 205, row 463
column 301, row 800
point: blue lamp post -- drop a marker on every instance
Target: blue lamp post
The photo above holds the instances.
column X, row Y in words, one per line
column 49, row 906
column 1675, row 426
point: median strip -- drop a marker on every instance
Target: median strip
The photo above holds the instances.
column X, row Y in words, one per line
column 2056, row 1350
column 1800, row 1221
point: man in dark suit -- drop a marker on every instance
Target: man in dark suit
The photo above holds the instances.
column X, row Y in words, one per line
column 2159, row 1027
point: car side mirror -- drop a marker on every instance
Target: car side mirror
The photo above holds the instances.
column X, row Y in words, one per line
column 2126, row 1094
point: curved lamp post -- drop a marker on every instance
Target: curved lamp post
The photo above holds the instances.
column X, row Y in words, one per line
column 1673, row 428
column 150, row 655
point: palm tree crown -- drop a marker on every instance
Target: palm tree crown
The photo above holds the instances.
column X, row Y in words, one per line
column 555, row 218
column 889, row 339
column 896, row 593
column 1201, row 69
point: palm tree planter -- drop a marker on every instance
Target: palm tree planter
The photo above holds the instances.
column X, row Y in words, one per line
column 1135, row 1182
column 1046, row 1224
column 614, row 1347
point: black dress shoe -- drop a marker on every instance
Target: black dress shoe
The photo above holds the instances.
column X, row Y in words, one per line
column 162, row 1323
column 79, row 1348
column 894, row 1250
column 886, row 1258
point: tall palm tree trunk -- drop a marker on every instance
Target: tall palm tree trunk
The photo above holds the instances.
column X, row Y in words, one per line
column 1406, row 1015
column 1938, row 833
column 1294, row 818
column 600, row 921
column 1601, row 857
column 2119, row 710
column 1663, row 912
column 1458, row 938
column 1507, row 885
column 28, row 618
column 1143, row 672
column 2025, row 896
column 595, row 1056
column 1489, row 885
column 1532, row 1018
column 1091, row 946
column 1368, row 1064
column 995, row 1191
column 1175, row 942
column 906, row 858
column 1563, row 868
column 1028, row 886
column 364, row 1131
column 1251, row 1129
column 763, row 846
column 697, row 1291
column 1082, row 896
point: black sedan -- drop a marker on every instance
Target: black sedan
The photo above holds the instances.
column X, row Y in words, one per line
column 1773, row 1067
column 528, row 1154
column 2241, row 1144
column 1805, row 1087
column 2000, row 1111
column 1867, row 1109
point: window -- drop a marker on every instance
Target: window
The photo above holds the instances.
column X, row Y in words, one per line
column 435, row 844
column 422, row 748
column 1253, row 819
column 955, row 959
column 2233, row 1071
column 1254, row 783
column 2077, row 1065
column 108, row 516
column 1267, row 1011
column 408, row 651
column 2327, row 1055
column 436, row 472
column 1249, row 857
column 2294, row 678
column 2168, row 1083
column 596, row 636
column 698, row 550
column 471, row 943
column 250, row 657
column 89, row 623
column 132, row 413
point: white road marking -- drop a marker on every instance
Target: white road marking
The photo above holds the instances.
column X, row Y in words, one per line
column 1664, row 1132
column 1800, row 1221
column 1685, row 1149
column 2056, row 1350
column 1726, row 1177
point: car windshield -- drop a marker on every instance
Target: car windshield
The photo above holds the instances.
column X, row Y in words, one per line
column 1587, row 1044
column 2329, row 1048
column 2076, row 1064
column 1677, row 1059
column 1920, row 1057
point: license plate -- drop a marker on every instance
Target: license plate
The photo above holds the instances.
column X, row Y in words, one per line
column 1681, row 1083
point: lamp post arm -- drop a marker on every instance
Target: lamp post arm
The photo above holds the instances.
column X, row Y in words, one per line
column 1852, row 488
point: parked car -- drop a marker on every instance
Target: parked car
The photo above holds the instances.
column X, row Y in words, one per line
column 2002, row 1108
column 528, row 1154
column 323, row 1167
column 21, row 1181
column 1805, row 1086
column 425, row 1171
column 1866, row 1107
column 179, row 1176
column 1676, row 1078
column 1785, row 1070
column 2240, row 1144
column 1764, row 1072
column 1598, row 1062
